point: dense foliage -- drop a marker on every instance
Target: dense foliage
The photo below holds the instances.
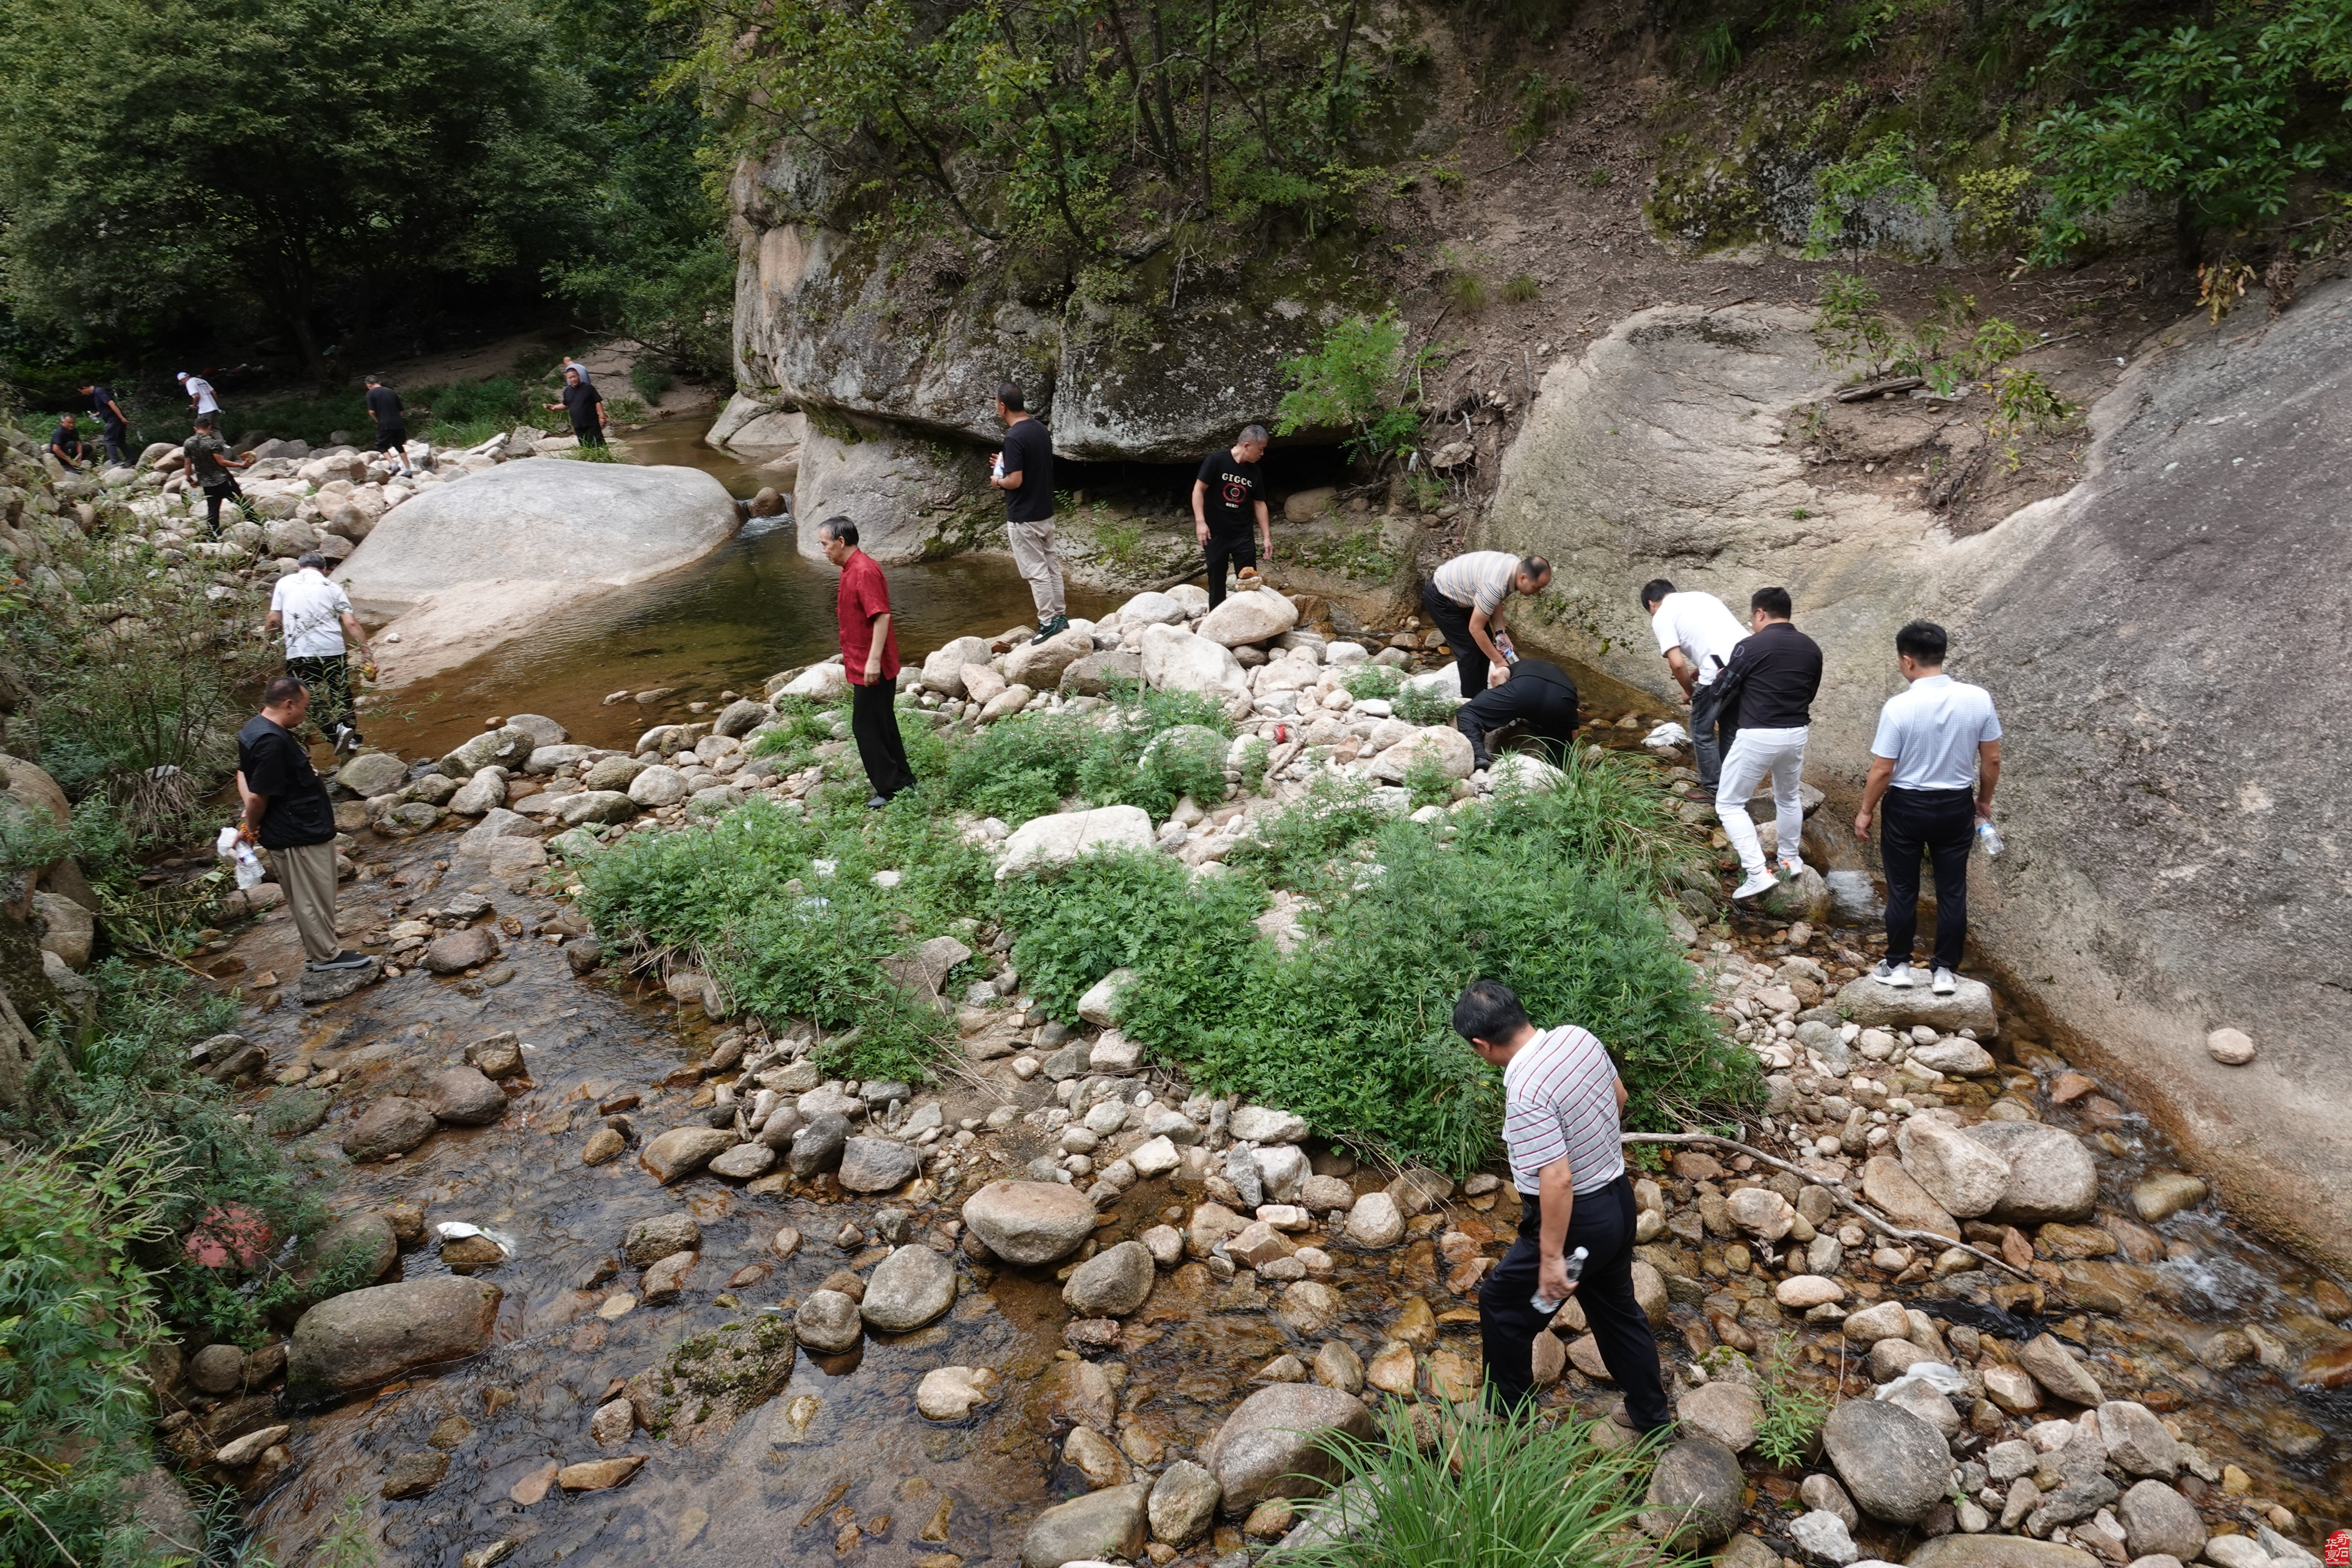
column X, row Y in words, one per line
column 1552, row 890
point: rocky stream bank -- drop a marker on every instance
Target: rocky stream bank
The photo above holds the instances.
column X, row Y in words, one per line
column 649, row 1279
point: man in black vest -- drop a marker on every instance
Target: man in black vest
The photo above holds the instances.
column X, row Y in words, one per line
column 1766, row 691
column 1539, row 697
column 287, row 813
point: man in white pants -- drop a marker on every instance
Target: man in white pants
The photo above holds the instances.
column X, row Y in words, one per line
column 1768, row 689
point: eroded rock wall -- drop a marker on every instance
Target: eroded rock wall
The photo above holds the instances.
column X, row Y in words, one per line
column 2165, row 642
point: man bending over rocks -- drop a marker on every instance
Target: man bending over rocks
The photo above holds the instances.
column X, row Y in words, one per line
column 1561, row 1096
column 1463, row 599
column 1539, row 697
column 1934, row 763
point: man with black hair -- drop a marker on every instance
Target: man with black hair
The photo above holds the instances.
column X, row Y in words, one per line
column 65, row 443
column 1024, row 470
column 586, row 405
column 869, row 656
column 1463, row 599
column 287, row 813
column 1561, row 1098
column 1933, row 765
column 1696, row 634
column 314, row 614
column 209, row 465
column 1767, row 692
column 1228, row 498
column 391, row 423
column 1539, row 697
column 112, row 423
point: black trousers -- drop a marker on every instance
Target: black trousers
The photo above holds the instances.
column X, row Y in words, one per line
column 1470, row 660
column 214, row 495
column 874, row 720
column 1227, row 550
column 1940, row 824
column 588, row 434
column 1546, row 712
column 1706, row 741
column 1602, row 1222
column 116, row 448
column 330, row 681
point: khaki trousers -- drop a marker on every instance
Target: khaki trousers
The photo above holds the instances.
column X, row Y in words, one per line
column 307, row 872
column 1033, row 557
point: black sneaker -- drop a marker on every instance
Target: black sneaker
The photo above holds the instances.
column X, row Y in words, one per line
column 346, row 959
column 875, row 803
column 1052, row 628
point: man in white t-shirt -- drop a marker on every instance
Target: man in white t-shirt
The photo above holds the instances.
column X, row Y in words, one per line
column 1697, row 633
column 1561, row 1096
column 315, row 617
column 200, row 395
column 1933, row 766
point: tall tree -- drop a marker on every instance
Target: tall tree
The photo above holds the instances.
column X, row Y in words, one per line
column 158, row 156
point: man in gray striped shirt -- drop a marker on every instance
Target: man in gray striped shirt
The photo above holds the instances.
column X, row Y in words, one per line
column 1561, row 1096
column 1463, row 599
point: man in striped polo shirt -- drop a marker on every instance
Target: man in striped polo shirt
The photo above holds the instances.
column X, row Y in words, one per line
column 1463, row 599
column 1561, row 1096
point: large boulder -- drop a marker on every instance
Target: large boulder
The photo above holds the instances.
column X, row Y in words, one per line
column 910, row 496
column 1874, row 1005
column 706, row 1384
column 1893, row 1465
column 1112, row 1283
column 392, row 1125
column 2050, row 1175
column 1030, row 1223
column 508, row 747
column 465, row 566
column 1694, row 1497
column 1062, row 837
column 1271, row 1445
column 1961, row 1174
column 1105, row 1525
column 1449, row 748
column 877, row 1164
column 1257, row 615
column 1175, row 659
column 943, row 667
column 364, row 1337
column 1039, row 665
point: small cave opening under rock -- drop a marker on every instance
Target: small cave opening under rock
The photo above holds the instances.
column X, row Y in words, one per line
column 1165, row 489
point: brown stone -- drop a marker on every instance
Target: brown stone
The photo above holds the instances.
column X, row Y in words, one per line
column 597, row 1475
column 2070, row 1086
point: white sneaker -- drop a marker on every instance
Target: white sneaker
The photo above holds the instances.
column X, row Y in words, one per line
column 1791, row 869
column 1761, row 883
column 1895, row 974
column 1945, row 983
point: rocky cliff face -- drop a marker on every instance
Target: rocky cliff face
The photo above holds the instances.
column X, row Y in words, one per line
column 2165, row 641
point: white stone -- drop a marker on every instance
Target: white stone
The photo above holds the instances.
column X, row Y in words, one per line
column 1060, row 839
column 1100, row 1005
column 1263, row 1124
column 1450, row 746
column 2231, row 1048
column 1251, row 616
column 1155, row 1157
column 1150, row 609
column 1175, row 659
column 1958, row 1172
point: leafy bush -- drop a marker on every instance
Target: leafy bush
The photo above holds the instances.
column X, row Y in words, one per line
column 1424, row 706
column 1356, row 381
column 1883, row 171
column 1793, row 1412
column 1025, row 766
column 1373, row 681
column 1426, row 781
column 1514, row 1490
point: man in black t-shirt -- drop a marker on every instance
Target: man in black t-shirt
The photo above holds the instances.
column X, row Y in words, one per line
column 209, row 463
column 1539, row 697
column 112, row 423
column 1766, row 695
column 1228, row 499
column 1024, row 470
column 65, row 442
column 287, row 813
column 585, row 405
column 391, row 423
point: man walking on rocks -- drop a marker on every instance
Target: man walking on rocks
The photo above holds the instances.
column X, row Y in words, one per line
column 1697, row 634
column 869, row 656
column 1539, row 697
column 287, row 812
column 391, row 423
column 201, row 399
column 1229, row 515
column 1768, row 688
column 1024, row 470
column 1463, row 599
column 315, row 615
column 1933, row 765
column 209, row 465
column 586, row 405
column 112, row 423
column 1561, row 1096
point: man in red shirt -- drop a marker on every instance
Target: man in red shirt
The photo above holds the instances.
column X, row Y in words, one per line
column 869, row 656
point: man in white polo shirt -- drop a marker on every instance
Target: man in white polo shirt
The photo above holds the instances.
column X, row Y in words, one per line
column 1463, row 599
column 1561, row 1096
column 315, row 616
column 1933, row 765
column 1695, row 633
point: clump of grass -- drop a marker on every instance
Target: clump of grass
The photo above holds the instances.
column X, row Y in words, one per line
column 1520, row 1490
column 1424, row 706
column 1467, row 292
column 1793, row 1413
column 1521, row 287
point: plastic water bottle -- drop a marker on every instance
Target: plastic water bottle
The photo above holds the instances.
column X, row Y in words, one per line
column 1575, row 1264
column 232, row 847
column 1989, row 837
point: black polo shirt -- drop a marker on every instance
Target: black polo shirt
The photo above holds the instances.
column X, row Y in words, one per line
column 1775, row 673
column 277, row 765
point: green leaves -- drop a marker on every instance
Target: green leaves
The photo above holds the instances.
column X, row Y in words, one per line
column 1355, row 380
column 1883, row 171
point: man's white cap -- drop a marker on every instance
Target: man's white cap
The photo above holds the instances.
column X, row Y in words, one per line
column 183, row 375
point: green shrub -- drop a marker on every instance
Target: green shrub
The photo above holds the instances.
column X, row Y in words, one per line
column 1368, row 681
column 1426, row 780
column 1508, row 1492
column 651, row 381
column 1424, row 706
column 1027, row 765
column 1793, row 1412
column 1358, row 380
column 1521, row 287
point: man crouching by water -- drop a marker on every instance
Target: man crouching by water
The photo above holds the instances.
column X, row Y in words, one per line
column 1561, row 1096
